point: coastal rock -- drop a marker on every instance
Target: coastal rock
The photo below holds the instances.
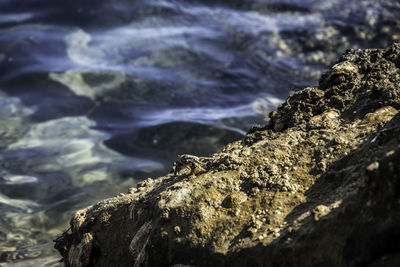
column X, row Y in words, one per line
column 319, row 185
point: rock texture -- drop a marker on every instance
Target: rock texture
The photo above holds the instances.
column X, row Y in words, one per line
column 319, row 185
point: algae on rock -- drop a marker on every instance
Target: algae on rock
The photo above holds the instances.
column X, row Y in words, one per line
column 318, row 185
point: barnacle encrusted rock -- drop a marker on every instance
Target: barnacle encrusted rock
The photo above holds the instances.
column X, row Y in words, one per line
column 319, row 185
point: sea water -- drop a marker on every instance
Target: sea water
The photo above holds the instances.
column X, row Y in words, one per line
column 97, row 95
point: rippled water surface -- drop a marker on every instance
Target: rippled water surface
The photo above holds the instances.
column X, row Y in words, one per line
column 96, row 95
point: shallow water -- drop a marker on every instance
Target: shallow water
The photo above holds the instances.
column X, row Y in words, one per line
column 94, row 97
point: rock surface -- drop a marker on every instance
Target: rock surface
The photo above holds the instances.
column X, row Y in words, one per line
column 319, row 185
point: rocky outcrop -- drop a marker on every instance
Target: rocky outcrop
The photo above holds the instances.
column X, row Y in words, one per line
column 319, row 185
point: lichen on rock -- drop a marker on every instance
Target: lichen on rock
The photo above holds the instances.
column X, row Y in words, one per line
column 318, row 185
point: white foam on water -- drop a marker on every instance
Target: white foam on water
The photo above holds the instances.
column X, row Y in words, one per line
column 19, row 179
column 72, row 145
column 252, row 21
column 106, row 50
column 81, row 53
column 199, row 115
column 263, row 105
column 27, row 206
column 163, row 33
column 16, row 17
column 211, row 115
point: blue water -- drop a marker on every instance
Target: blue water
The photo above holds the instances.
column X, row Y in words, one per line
column 96, row 95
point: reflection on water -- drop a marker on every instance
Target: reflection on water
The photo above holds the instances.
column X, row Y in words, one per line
column 96, row 96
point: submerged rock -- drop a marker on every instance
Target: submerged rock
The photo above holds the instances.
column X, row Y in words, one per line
column 319, row 185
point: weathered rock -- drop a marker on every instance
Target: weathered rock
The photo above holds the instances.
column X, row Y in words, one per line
column 318, row 186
